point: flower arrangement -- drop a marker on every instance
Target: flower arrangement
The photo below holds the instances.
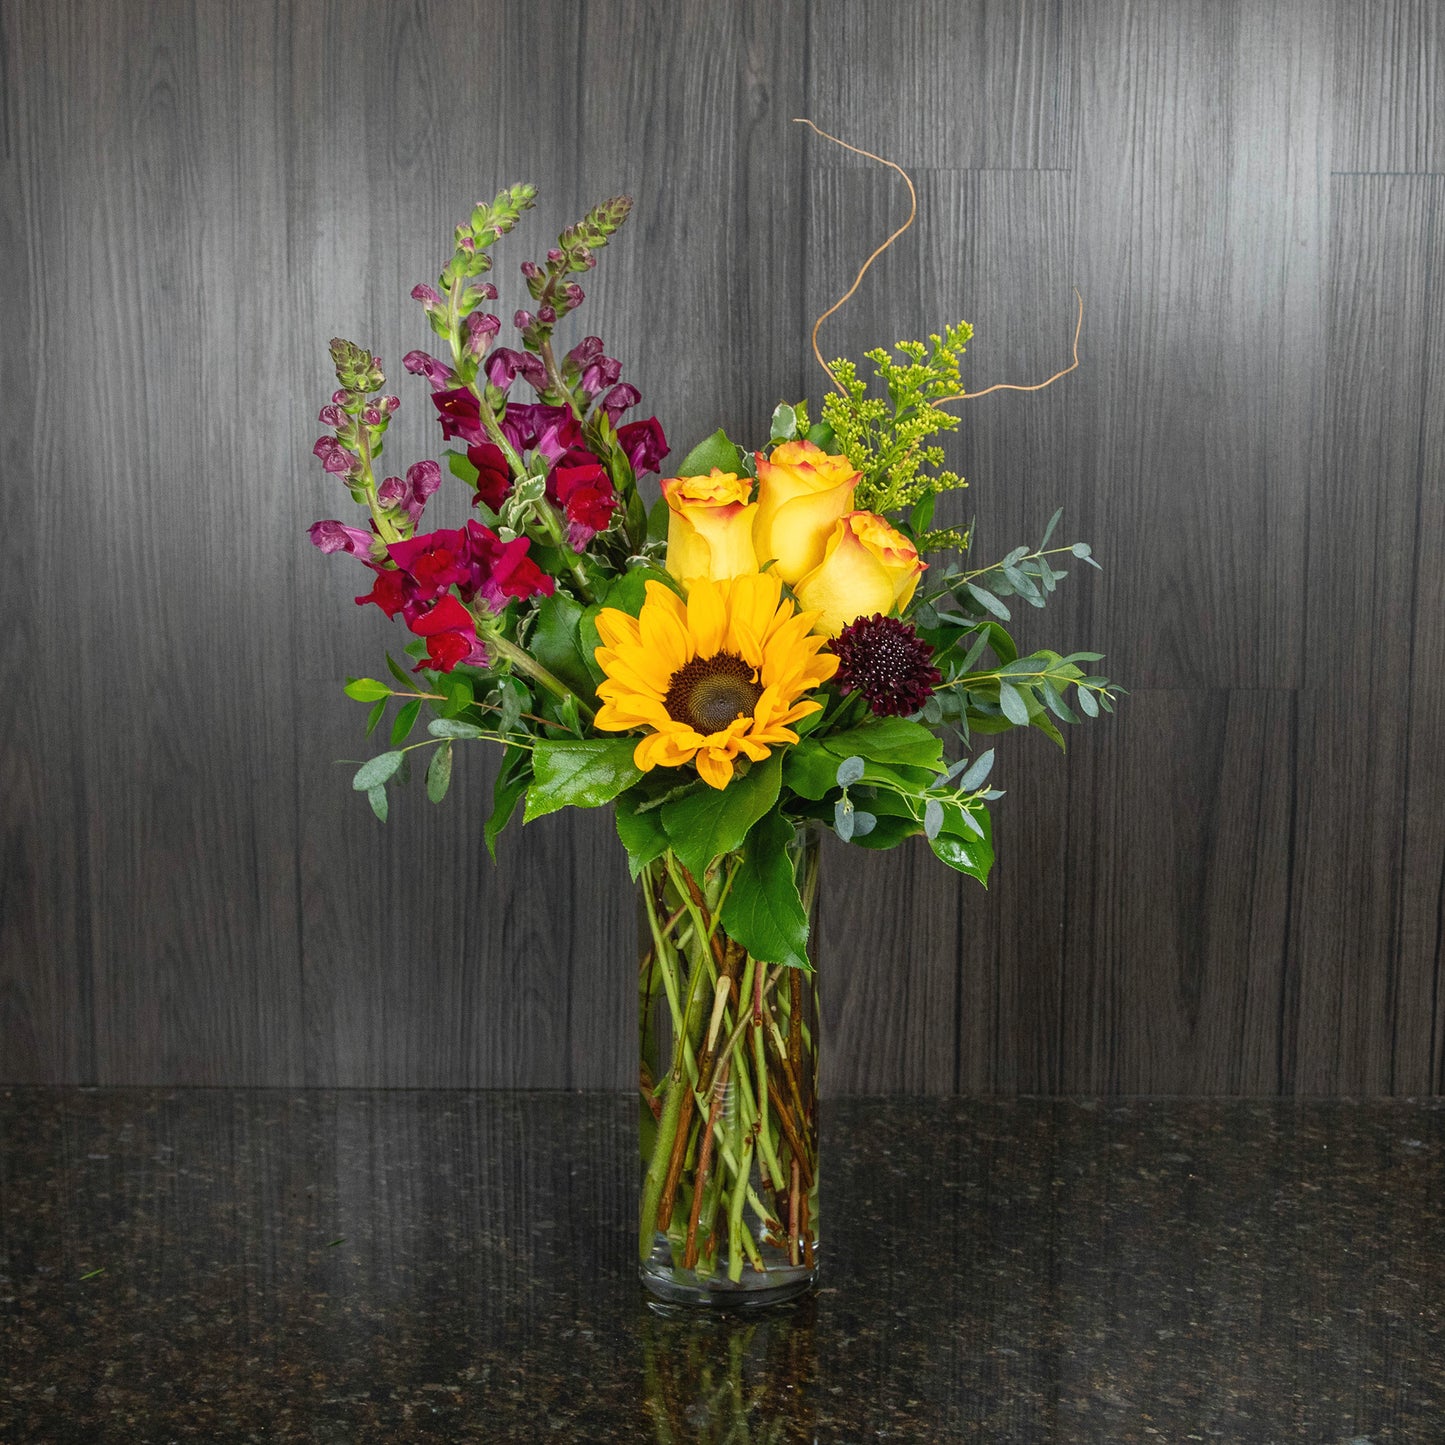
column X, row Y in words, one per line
column 761, row 653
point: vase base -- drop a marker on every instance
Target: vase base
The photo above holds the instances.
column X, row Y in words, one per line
column 754, row 1290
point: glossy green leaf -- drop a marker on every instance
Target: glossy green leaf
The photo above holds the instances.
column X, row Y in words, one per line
column 365, row 689
column 404, row 721
column 642, row 833
column 713, row 821
column 583, row 774
column 889, row 740
column 764, row 911
column 555, row 642
column 714, row 451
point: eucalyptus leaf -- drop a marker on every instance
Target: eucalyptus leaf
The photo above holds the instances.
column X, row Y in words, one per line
column 978, row 770
column 849, row 771
column 439, row 773
column 932, row 818
column 447, row 727
column 843, row 819
column 863, row 824
column 376, row 771
column 377, row 798
column 1011, row 703
column 988, row 601
column 1049, row 530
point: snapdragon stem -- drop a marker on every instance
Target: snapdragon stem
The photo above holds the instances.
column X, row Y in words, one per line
column 523, row 660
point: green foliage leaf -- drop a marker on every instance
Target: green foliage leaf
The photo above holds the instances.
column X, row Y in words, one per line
column 784, row 426
column 556, row 642
column 400, row 673
column 511, row 783
column 889, row 740
column 1088, row 703
column 809, row 769
column 439, row 773
column 582, row 774
column 376, row 771
column 374, row 716
column 446, row 727
column 714, row 451
column 404, row 721
column 987, row 601
column 377, row 798
column 712, row 821
column 1012, row 704
column 971, row 854
column 365, row 689
column 642, row 833
column 764, row 911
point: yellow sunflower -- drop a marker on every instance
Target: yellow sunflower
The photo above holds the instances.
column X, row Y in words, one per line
column 713, row 676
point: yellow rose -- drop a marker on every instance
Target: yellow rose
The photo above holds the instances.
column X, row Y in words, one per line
column 709, row 527
column 866, row 568
column 802, row 492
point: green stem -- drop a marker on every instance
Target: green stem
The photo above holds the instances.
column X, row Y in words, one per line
column 523, row 660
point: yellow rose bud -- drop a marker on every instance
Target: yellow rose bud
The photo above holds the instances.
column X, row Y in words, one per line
column 709, row 527
column 802, row 492
column 866, row 568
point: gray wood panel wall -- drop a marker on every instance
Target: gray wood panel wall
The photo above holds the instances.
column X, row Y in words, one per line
column 1232, row 887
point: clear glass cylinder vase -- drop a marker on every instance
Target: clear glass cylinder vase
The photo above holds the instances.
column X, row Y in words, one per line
column 728, row 1077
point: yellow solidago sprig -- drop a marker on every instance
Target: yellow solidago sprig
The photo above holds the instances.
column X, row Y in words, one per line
column 712, row 679
column 887, row 438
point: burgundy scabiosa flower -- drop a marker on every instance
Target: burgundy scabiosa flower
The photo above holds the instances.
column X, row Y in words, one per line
column 888, row 662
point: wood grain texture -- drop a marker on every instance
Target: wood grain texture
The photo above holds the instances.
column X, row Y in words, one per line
column 1389, row 62
column 1200, row 224
column 1235, row 886
column 933, row 85
column 1363, row 1021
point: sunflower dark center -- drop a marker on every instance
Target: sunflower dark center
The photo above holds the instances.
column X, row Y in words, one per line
column 710, row 692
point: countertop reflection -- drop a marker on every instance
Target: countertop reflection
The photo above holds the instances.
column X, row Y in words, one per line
column 258, row 1265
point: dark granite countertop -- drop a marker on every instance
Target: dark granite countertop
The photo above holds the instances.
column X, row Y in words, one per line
column 227, row 1265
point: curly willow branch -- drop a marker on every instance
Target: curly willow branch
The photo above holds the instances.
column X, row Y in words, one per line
column 848, row 294
column 1038, row 386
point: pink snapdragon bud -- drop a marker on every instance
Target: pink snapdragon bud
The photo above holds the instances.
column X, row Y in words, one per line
column 465, row 243
column 600, row 374
column 619, row 399
column 372, row 415
column 481, row 327
column 531, row 271
column 522, row 320
column 421, row 363
column 585, row 352
column 573, row 295
column 547, row 316
column 333, row 456
column 342, row 398
column 486, row 291
column 389, row 404
column 554, row 255
column 429, row 296
column 334, row 536
column 331, row 415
